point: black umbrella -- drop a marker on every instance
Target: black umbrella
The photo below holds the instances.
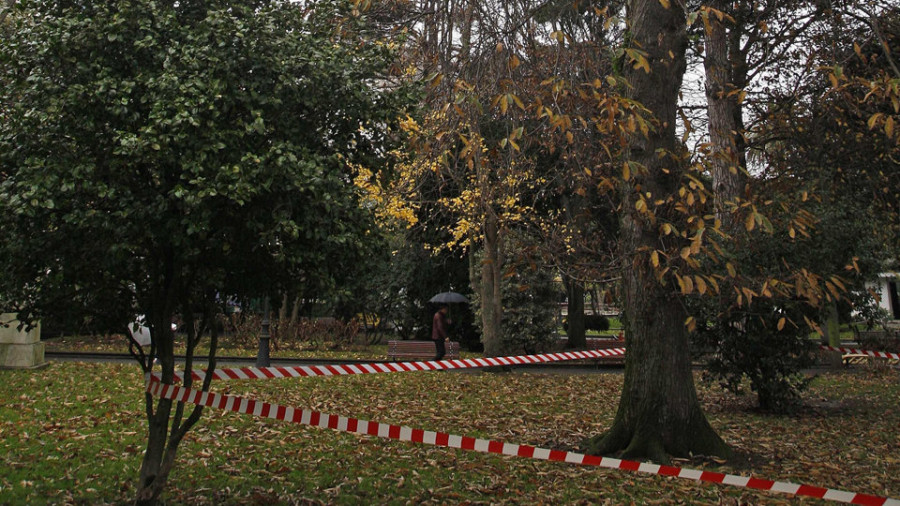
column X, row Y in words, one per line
column 448, row 298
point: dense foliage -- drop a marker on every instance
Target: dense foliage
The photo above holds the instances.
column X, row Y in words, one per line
column 530, row 296
column 162, row 154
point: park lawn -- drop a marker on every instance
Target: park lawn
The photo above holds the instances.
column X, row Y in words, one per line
column 117, row 343
column 73, row 433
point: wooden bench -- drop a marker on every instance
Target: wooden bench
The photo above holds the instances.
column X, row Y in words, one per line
column 420, row 350
column 599, row 343
column 854, row 358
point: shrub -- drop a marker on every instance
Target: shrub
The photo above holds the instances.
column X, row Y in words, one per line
column 595, row 322
column 749, row 345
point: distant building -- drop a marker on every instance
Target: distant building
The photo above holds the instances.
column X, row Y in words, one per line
column 887, row 288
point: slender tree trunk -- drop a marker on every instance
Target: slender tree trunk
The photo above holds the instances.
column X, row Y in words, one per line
column 575, row 330
column 574, row 289
column 492, row 290
column 295, row 310
column 832, row 324
column 153, row 474
column 659, row 413
column 285, row 307
column 724, row 111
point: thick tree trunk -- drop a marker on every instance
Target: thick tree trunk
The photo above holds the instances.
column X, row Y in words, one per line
column 659, row 413
column 575, row 329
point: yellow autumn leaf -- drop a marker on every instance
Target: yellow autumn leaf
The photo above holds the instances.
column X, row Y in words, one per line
column 514, row 62
column 691, row 323
column 701, row 285
column 518, row 101
column 731, row 271
column 654, row 259
column 873, row 119
column 688, row 285
column 781, row 322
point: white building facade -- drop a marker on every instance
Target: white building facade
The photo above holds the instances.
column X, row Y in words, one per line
column 888, row 287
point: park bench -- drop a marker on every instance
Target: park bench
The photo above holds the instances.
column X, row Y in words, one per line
column 599, row 343
column 854, row 359
column 420, row 350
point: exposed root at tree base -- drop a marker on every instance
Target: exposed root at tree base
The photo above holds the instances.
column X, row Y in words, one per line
column 644, row 445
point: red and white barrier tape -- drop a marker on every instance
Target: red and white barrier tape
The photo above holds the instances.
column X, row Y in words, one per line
column 402, row 433
column 878, row 354
column 387, row 367
column 384, row 367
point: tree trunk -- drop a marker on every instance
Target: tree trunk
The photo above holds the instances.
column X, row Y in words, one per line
column 659, row 413
column 152, row 479
column 724, row 111
column 285, row 307
column 832, row 324
column 153, row 475
column 295, row 310
column 492, row 291
column 575, row 328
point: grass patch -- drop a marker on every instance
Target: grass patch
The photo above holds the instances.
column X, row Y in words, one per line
column 117, row 343
column 74, row 433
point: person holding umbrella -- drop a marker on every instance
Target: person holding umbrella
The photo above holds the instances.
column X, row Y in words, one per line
column 441, row 322
column 439, row 326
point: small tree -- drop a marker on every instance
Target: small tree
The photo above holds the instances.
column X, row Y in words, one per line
column 164, row 153
column 529, row 299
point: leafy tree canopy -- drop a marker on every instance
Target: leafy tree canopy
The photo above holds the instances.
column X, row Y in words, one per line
column 159, row 155
column 202, row 144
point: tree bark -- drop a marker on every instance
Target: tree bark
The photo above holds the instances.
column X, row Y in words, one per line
column 575, row 330
column 659, row 413
column 723, row 108
column 492, row 290
column 153, row 474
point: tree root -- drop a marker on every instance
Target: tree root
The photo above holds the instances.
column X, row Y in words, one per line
column 647, row 444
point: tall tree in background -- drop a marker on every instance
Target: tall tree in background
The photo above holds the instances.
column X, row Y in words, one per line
column 167, row 153
column 518, row 124
column 758, row 59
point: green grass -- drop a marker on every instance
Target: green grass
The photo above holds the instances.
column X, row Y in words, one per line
column 228, row 347
column 74, row 433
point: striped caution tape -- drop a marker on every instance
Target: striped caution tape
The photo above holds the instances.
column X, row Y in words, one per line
column 314, row 418
column 878, row 354
column 432, row 365
column 381, row 367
